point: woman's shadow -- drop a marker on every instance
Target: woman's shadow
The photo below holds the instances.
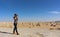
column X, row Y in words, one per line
column 5, row 32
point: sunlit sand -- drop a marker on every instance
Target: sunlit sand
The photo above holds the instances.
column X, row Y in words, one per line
column 31, row 29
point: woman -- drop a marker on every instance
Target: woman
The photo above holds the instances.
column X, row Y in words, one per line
column 15, row 24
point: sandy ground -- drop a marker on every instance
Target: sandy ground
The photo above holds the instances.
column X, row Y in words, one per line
column 29, row 32
column 28, row 29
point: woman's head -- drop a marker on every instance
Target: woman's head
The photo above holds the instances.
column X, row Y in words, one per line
column 15, row 14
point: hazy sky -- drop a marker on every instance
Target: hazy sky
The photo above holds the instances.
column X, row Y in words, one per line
column 30, row 10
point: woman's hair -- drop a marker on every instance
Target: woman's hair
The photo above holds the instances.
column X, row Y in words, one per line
column 15, row 17
column 15, row 14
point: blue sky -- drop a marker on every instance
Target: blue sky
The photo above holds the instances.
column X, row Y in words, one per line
column 30, row 10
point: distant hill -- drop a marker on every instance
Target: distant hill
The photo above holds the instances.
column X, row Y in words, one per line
column 57, row 21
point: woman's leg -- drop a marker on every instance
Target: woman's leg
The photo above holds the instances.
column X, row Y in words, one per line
column 14, row 29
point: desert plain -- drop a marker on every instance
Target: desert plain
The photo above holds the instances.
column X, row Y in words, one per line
column 31, row 29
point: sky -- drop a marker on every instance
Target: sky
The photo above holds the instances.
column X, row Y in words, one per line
column 30, row 10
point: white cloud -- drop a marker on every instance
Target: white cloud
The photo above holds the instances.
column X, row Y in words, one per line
column 54, row 12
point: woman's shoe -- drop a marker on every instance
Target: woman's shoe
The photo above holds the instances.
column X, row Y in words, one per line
column 17, row 33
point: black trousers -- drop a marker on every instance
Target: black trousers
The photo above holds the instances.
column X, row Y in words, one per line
column 15, row 28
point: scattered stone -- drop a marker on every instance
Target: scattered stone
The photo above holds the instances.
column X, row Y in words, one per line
column 58, row 28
